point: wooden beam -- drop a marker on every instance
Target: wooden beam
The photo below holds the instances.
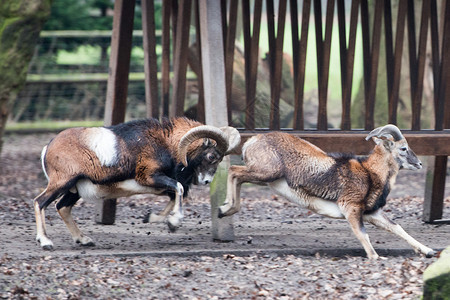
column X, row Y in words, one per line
column 299, row 50
column 119, row 62
column 276, row 59
column 422, row 142
column 116, row 93
column 347, row 54
column 150, row 59
column 213, row 65
column 180, row 59
column 251, row 55
column 165, row 57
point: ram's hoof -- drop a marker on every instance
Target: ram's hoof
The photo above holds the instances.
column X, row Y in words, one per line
column 85, row 241
column 47, row 247
column 172, row 228
column 88, row 244
column 430, row 254
column 221, row 214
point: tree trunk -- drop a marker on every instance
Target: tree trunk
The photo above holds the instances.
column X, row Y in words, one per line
column 20, row 24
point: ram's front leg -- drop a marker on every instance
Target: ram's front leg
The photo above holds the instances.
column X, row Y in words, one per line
column 162, row 216
column 173, row 209
column 355, row 219
column 380, row 220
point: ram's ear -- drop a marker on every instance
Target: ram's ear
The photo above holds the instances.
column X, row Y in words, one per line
column 377, row 140
column 388, row 144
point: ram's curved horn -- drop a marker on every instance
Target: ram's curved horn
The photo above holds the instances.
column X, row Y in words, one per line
column 234, row 138
column 386, row 132
column 203, row 131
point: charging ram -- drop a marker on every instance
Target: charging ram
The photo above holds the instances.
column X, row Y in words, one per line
column 138, row 157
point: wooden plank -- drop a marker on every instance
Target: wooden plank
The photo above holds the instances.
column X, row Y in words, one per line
column 165, row 58
column 413, row 74
column 251, row 55
column 201, row 93
column 322, row 120
column 365, row 29
column 87, row 34
column 444, row 72
column 347, row 54
column 293, row 9
column 420, row 65
column 374, row 57
column 434, row 48
column 434, row 189
column 229, row 53
column 119, row 62
column 213, row 64
column 394, row 66
column 180, row 58
column 389, row 41
column 433, row 204
column 276, row 60
column 116, row 94
column 150, row 59
column 422, row 142
column 301, row 64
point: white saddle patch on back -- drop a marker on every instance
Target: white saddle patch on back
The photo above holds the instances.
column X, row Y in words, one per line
column 103, row 143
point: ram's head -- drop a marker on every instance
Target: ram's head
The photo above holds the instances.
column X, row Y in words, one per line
column 217, row 142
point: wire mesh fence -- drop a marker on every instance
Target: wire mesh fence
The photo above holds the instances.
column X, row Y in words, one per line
column 68, row 76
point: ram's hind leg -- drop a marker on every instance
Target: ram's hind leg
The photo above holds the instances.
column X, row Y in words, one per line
column 237, row 175
column 40, row 204
column 64, row 207
column 381, row 221
column 41, row 232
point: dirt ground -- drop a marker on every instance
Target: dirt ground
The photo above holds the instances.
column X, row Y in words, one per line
column 280, row 251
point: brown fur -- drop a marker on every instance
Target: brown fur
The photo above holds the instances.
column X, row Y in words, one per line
column 335, row 185
column 138, row 157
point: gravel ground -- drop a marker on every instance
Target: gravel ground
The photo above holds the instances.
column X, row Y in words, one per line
column 280, row 252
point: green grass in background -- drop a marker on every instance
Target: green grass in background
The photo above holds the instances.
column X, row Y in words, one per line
column 49, row 125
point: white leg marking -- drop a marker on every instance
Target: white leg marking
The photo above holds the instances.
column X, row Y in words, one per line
column 380, row 220
column 41, row 235
column 176, row 215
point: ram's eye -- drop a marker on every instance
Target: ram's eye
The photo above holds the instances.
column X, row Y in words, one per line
column 403, row 149
column 210, row 157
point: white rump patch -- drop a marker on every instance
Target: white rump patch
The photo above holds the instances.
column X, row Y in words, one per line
column 104, row 144
column 44, row 151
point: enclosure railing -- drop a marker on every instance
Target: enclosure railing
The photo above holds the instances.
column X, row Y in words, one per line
column 432, row 31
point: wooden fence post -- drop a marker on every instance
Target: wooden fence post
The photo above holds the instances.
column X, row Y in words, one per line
column 116, row 94
column 213, row 67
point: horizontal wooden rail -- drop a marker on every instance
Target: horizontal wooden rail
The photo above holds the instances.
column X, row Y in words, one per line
column 425, row 142
column 89, row 77
column 90, row 34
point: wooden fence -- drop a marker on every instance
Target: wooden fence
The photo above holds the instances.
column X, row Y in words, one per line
column 433, row 30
